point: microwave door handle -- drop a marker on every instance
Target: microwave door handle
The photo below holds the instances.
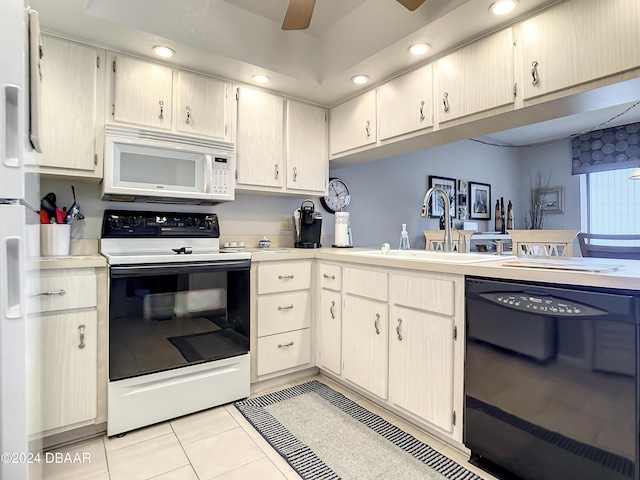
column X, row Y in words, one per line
column 208, row 173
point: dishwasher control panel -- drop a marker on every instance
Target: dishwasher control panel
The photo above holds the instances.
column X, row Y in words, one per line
column 542, row 304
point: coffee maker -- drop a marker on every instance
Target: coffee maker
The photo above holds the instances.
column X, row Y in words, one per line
column 308, row 225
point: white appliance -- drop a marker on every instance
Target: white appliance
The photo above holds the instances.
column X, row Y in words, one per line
column 151, row 166
column 17, row 176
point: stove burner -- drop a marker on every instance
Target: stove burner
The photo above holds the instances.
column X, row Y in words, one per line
column 180, row 250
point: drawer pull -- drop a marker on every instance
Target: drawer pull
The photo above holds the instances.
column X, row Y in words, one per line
column 330, row 277
column 286, row 307
column 48, row 294
column 285, row 277
column 290, row 344
column 81, row 328
column 333, row 314
column 398, row 329
column 376, row 323
column 535, row 78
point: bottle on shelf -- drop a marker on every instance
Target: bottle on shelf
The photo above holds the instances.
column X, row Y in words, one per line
column 404, row 238
column 502, row 217
column 510, row 216
column 498, row 220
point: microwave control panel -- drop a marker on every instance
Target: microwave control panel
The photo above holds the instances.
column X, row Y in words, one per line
column 221, row 175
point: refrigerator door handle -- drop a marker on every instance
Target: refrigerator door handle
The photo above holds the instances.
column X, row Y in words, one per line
column 10, row 126
column 12, row 283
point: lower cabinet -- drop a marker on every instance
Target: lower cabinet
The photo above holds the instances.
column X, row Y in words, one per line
column 283, row 316
column 365, row 342
column 329, row 331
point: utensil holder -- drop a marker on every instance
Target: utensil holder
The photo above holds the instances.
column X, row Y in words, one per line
column 55, row 239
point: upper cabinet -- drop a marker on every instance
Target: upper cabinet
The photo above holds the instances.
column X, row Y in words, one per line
column 406, row 103
column 72, row 108
column 578, row 42
column 201, row 105
column 260, row 139
column 159, row 97
column 476, row 78
column 306, row 142
column 353, row 124
column 142, row 93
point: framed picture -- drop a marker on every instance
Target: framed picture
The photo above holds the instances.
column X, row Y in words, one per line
column 551, row 198
column 480, row 201
column 436, row 206
column 462, row 186
column 462, row 213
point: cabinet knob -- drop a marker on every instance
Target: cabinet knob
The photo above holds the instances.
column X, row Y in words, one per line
column 535, row 78
column 366, row 128
column 445, row 101
column 290, row 344
column 333, row 314
column 295, row 174
column 286, row 307
column 285, row 277
column 81, row 328
column 398, row 329
column 422, row 110
column 161, row 116
column 49, row 293
column 188, row 120
column 276, row 174
column 330, row 277
column 376, row 324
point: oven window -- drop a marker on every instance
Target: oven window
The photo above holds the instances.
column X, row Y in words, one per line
column 163, row 321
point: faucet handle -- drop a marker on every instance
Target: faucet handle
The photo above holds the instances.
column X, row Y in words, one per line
column 385, row 247
column 463, row 243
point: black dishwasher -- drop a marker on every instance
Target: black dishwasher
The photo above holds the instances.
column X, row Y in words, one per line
column 551, row 381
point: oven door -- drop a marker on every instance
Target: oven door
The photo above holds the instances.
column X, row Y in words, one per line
column 168, row 316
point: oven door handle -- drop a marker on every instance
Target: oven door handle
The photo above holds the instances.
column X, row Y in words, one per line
column 171, row 269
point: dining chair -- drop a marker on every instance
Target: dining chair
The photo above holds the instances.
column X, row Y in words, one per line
column 609, row 246
column 543, row 243
column 434, row 239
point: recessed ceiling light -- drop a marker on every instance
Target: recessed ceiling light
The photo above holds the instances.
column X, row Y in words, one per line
column 163, row 51
column 261, row 78
column 360, row 79
column 419, row 48
column 502, row 7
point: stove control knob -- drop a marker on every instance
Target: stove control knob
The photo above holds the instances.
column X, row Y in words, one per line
column 115, row 223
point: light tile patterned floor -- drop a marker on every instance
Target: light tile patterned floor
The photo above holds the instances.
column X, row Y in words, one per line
column 215, row 444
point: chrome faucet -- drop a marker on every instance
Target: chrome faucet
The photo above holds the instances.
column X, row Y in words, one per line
column 448, row 244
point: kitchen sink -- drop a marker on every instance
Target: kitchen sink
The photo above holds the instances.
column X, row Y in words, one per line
column 431, row 256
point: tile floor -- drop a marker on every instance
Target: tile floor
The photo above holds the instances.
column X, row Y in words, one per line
column 215, row 444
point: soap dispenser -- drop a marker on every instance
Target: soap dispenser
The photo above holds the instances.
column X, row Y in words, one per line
column 404, row 238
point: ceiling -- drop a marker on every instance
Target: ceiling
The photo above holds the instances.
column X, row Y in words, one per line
column 235, row 39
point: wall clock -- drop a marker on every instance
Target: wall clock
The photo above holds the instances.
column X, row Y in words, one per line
column 338, row 196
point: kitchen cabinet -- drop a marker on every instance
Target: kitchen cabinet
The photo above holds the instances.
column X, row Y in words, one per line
column 365, row 323
column 422, row 339
column 72, row 108
column 306, row 148
column 406, row 103
column 202, row 106
column 142, row 92
column 67, row 376
column 283, row 316
column 352, row 124
column 577, row 42
column 329, row 318
column 476, row 78
column 260, row 139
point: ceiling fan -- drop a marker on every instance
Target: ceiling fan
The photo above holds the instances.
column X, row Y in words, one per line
column 298, row 16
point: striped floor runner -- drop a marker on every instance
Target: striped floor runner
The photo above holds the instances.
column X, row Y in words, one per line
column 308, row 464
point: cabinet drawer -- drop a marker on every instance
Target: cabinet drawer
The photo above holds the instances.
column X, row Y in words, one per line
column 284, row 276
column 282, row 351
column 63, row 293
column 330, row 276
column 366, row 283
column 283, row 312
column 425, row 293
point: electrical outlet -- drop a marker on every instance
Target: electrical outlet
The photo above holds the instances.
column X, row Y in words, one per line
column 286, row 224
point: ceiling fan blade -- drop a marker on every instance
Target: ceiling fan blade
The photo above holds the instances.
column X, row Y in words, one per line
column 298, row 16
column 411, row 4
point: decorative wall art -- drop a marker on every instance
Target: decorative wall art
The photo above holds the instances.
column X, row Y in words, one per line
column 480, row 201
column 436, row 206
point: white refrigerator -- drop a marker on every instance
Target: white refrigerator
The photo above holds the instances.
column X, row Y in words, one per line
column 18, row 224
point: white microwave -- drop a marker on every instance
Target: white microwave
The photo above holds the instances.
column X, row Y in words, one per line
column 149, row 166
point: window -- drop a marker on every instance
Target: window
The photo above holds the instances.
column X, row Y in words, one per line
column 613, row 202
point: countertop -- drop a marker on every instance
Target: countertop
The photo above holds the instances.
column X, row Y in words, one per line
column 626, row 277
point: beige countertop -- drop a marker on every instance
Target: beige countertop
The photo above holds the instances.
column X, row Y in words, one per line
column 626, row 276
column 72, row 261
